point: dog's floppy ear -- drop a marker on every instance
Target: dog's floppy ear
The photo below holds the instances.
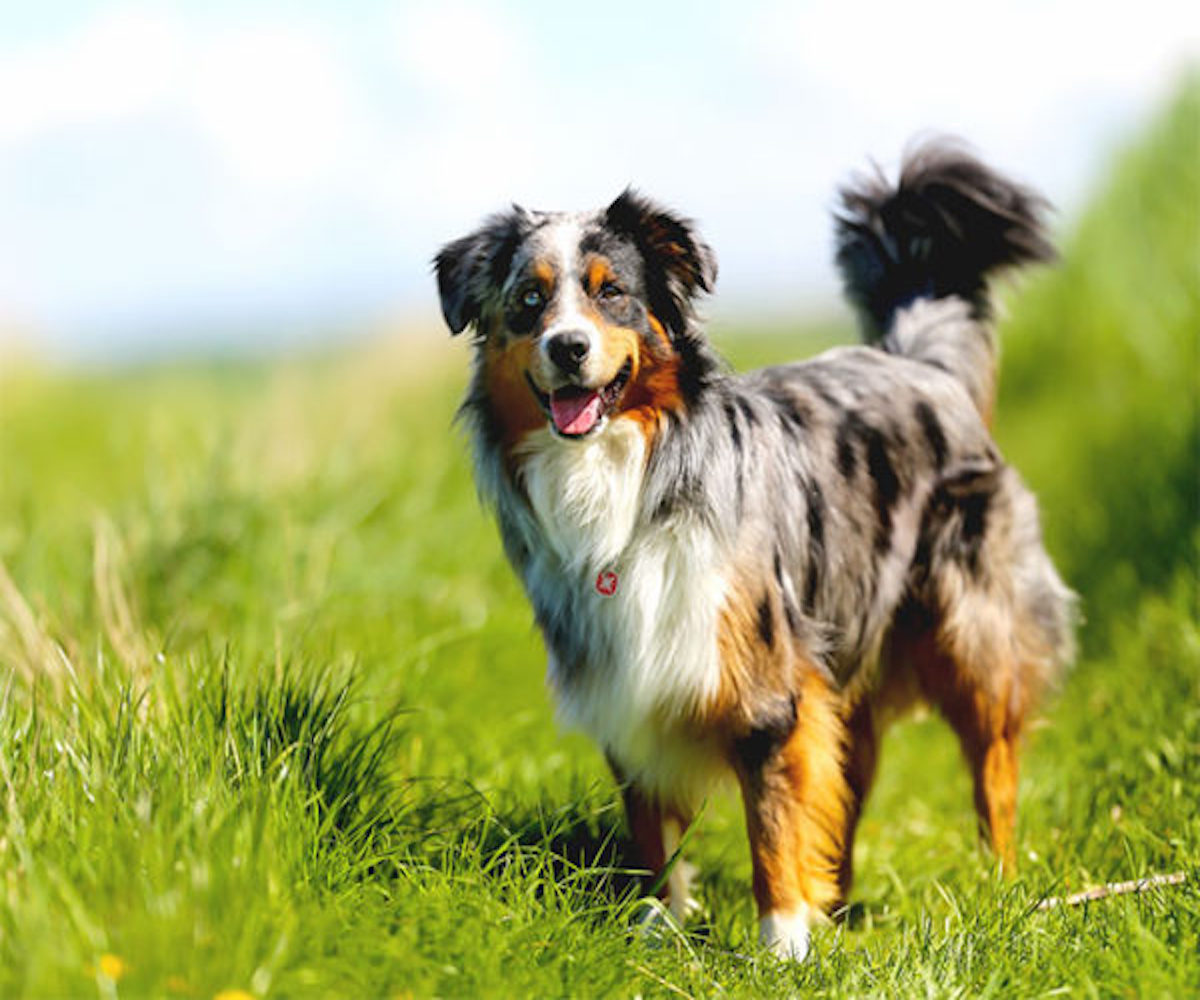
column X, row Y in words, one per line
column 468, row 269
column 679, row 265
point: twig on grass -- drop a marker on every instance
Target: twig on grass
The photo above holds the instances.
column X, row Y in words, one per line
column 1112, row 889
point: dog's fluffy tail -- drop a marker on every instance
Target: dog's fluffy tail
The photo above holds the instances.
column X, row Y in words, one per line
column 916, row 256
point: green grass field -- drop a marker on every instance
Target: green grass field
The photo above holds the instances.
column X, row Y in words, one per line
column 272, row 720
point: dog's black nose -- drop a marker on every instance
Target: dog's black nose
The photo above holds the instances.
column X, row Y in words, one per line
column 567, row 350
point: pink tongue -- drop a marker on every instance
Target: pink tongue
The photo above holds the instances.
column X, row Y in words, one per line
column 576, row 413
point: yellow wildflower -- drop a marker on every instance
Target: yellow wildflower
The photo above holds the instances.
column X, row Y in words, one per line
column 113, row 966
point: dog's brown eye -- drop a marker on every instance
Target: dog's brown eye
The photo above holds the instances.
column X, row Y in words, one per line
column 531, row 298
column 610, row 290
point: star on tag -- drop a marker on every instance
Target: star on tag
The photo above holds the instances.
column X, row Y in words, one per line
column 606, row 583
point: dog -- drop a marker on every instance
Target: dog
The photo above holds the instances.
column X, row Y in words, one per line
column 751, row 574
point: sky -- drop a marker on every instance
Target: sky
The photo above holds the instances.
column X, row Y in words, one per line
column 212, row 175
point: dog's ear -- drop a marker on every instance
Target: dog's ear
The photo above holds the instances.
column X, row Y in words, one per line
column 470, row 268
column 679, row 264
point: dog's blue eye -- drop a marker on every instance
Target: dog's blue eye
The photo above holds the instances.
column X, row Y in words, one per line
column 610, row 291
column 531, row 298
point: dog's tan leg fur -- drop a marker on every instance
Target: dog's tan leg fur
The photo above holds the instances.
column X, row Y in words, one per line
column 994, row 768
column 795, row 804
column 979, row 703
column 861, row 759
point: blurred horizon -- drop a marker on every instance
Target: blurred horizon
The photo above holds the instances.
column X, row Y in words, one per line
column 216, row 178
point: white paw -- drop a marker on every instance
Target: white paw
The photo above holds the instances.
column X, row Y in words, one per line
column 786, row 933
column 679, row 891
column 680, row 875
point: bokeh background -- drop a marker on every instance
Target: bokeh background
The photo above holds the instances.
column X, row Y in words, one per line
column 212, row 176
column 272, row 717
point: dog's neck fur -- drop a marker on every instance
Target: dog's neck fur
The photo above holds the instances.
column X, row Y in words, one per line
column 586, row 495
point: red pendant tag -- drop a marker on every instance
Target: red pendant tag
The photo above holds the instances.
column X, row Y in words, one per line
column 606, row 583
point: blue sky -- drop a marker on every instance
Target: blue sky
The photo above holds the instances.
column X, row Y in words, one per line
column 210, row 173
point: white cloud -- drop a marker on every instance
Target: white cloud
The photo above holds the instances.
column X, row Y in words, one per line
column 481, row 116
column 946, row 53
column 153, row 156
column 1015, row 72
column 272, row 99
column 123, row 63
column 460, row 52
column 275, row 102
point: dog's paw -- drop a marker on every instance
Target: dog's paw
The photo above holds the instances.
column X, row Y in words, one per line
column 659, row 922
column 787, row 933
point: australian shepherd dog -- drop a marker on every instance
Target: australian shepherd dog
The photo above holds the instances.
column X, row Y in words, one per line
column 749, row 574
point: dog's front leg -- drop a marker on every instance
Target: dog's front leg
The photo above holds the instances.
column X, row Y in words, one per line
column 656, row 831
column 794, row 794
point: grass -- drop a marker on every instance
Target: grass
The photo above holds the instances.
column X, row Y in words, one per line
column 272, row 717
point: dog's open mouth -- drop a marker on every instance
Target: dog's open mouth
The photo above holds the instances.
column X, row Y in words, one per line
column 574, row 410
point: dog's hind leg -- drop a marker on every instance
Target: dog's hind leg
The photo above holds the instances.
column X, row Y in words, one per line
column 973, row 689
column 984, row 667
column 987, row 714
column 993, row 626
column 795, row 800
column 858, row 767
column 990, row 745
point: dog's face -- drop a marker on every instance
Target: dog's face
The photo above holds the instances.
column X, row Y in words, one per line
column 578, row 317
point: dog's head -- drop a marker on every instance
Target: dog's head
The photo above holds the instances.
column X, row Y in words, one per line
column 578, row 318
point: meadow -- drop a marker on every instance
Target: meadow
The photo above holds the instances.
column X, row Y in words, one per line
column 272, row 717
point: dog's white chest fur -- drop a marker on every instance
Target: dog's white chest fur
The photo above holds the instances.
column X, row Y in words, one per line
column 586, row 493
column 651, row 658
